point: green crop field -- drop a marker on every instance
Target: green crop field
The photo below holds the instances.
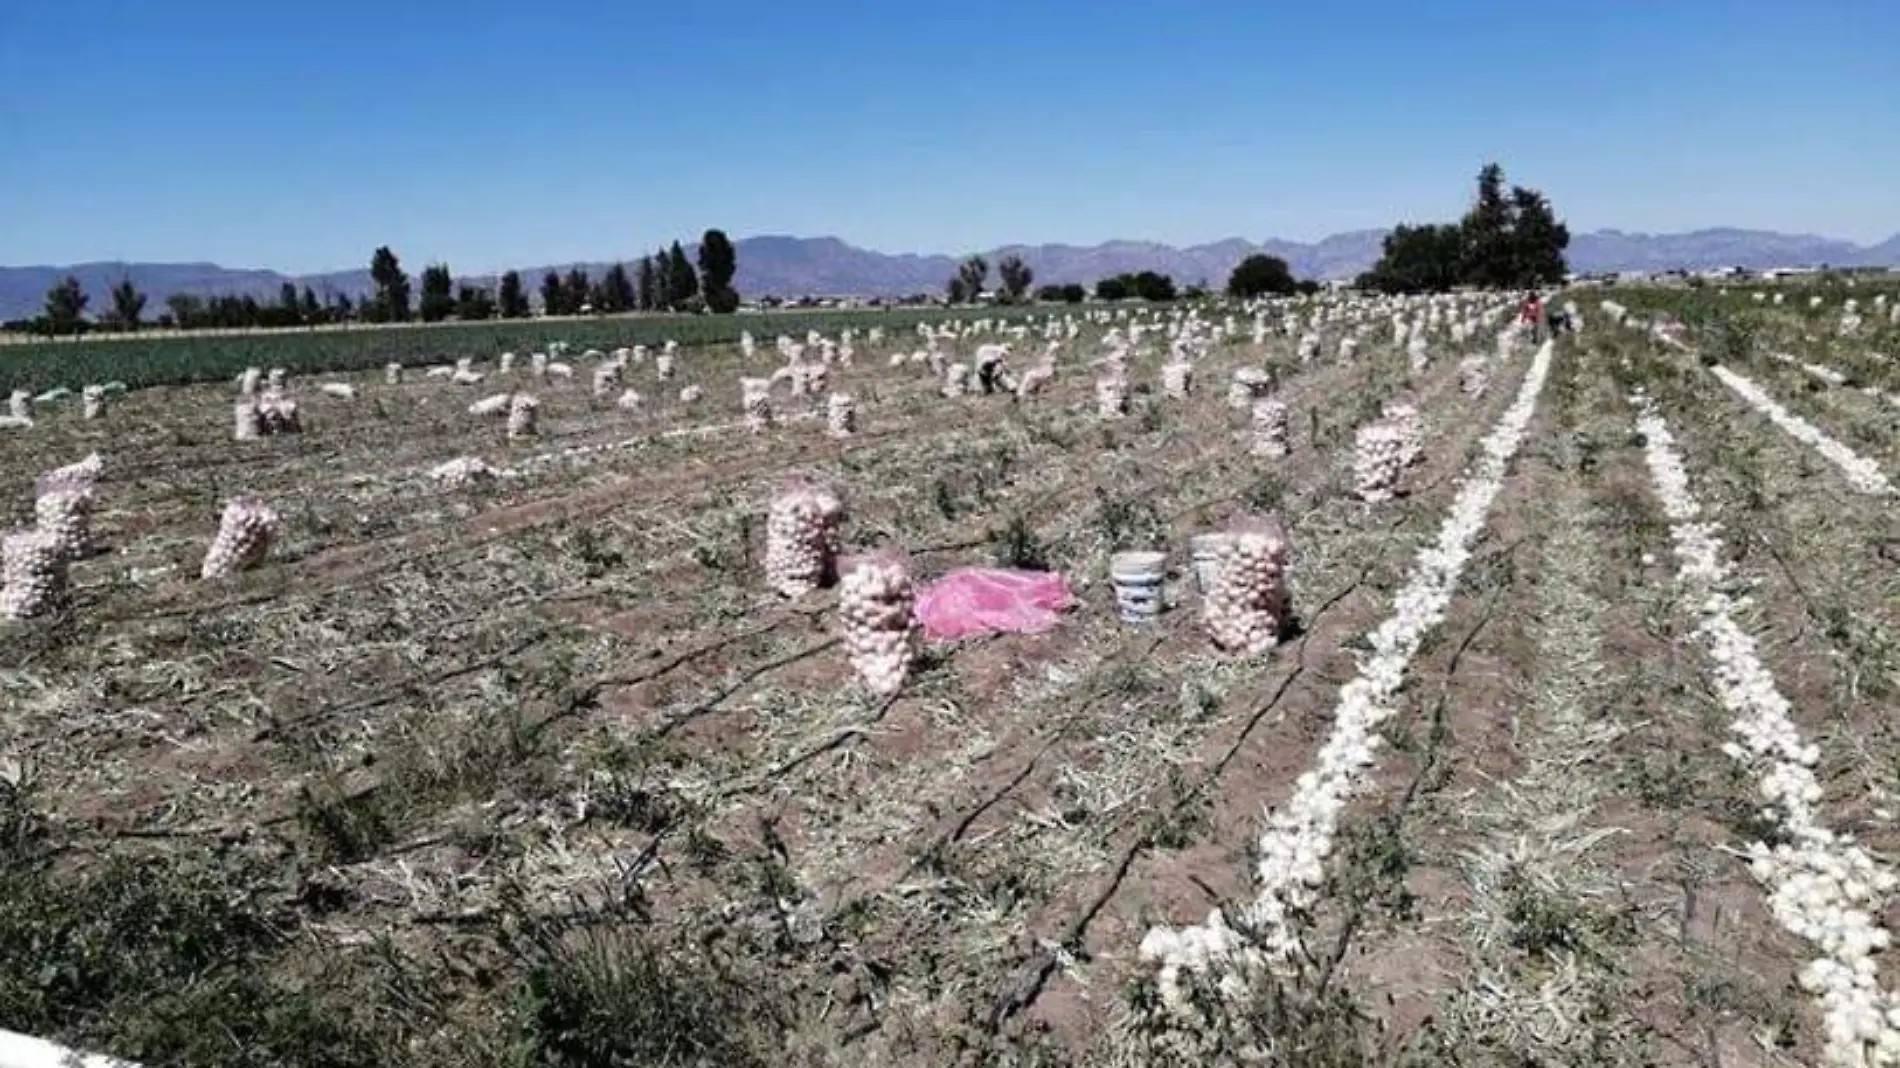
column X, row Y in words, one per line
column 176, row 360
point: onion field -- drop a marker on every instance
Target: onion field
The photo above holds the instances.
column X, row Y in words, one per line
column 1544, row 715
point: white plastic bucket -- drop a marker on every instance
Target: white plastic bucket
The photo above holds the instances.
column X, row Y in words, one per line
column 1138, row 578
column 1204, row 552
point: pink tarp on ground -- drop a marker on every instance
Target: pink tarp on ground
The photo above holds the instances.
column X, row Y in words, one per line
column 978, row 600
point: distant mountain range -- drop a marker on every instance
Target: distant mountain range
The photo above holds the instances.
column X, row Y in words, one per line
column 826, row 266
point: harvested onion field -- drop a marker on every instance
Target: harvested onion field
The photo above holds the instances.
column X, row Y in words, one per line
column 1578, row 749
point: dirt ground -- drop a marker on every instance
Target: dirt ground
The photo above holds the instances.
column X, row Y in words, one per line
column 541, row 772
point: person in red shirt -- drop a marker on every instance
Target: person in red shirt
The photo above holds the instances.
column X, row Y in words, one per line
column 1533, row 316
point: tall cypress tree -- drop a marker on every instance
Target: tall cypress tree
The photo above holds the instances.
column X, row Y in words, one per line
column 681, row 283
column 649, row 284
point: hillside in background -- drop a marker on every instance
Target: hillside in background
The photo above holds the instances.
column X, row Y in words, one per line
column 827, row 266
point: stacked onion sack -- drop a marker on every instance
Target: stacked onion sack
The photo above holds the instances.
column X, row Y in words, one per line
column 392, row 374
column 277, row 414
column 1248, row 383
column 663, row 366
column 92, row 401
column 62, row 505
column 841, row 416
column 1269, row 427
column 249, row 422
column 956, row 378
column 521, row 415
column 1111, row 396
column 1473, row 375
column 32, row 574
column 1247, row 608
column 245, row 532
column 801, row 537
column 755, row 394
column 1177, row 378
column 1379, row 457
column 875, row 600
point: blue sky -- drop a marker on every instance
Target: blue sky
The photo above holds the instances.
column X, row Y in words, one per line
column 300, row 136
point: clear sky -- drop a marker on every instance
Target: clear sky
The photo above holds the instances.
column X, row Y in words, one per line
column 489, row 134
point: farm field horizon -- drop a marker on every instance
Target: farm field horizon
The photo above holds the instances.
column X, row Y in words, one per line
column 1573, row 743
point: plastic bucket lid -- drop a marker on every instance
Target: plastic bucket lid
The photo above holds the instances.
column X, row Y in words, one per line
column 1137, row 565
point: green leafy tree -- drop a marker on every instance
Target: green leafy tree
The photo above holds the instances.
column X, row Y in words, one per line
column 438, row 293
column 973, row 273
column 1116, row 287
column 474, row 303
column 1538, row 240
column 128, row 305
column 1418, row 259
column 682, row 285
column 616, row 291
column 1508, row 239
column 957, row 291
column 391, row 303
column 513, row 301
column 648, row 283
column 577, row 291
column 1261, row 275
column 718, row 265
column 553, row 294
column 65, row 307
column 187, row 312
column 1016, row 276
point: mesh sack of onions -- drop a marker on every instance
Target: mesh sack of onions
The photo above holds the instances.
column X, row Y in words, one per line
column 1111, row 397
column 875, row 603
column 841, row 416
column 92, row 402
column 521, row 415
column 245, row 532
column 1473, row 375
column 1378, row 460
column 32, row 574
column 1269, row 427
column 248, row 381
column 248, row 422
column 278, row 414
column 392, row 374
column 801, row 537
column 663, row 366
column 956, row 380
column 1247, row 607
column 755, row 396
column 1177, row 379
column 62, row 509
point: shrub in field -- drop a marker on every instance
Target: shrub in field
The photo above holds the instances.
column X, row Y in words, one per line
column 245, row 533
column 875, row 602
column 801, row 537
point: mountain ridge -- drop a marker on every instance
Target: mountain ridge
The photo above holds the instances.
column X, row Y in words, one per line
column 789, row 266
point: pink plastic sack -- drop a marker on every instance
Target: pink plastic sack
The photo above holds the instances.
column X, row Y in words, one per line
column 978, row 600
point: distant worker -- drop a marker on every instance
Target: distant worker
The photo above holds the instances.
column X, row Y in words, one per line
column 1532, row 315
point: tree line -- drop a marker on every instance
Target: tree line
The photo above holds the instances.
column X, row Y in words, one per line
column 663, row 281
column 1506, row 240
